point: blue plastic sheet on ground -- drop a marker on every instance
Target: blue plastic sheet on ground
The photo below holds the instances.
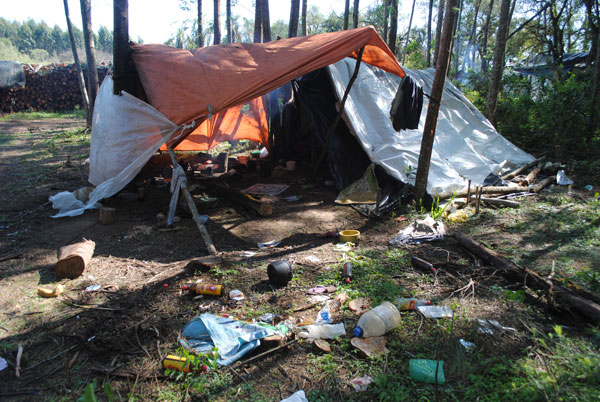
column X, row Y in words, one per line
column 233, row 339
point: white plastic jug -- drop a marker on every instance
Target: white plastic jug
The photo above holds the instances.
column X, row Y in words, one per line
column 378, row 321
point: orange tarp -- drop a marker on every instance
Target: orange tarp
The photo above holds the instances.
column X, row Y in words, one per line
column 189, row 86
column 242, row 122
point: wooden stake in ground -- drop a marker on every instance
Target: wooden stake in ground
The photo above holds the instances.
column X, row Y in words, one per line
column 434, row 104
column 74, row 258
column 107, row 215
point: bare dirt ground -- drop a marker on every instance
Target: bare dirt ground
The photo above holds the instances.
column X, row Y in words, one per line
column 120, row 333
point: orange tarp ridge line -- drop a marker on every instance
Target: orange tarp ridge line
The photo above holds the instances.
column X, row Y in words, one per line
column 189, row 86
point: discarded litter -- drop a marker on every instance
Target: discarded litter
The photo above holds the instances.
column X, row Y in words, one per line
column 248, row 253
column 361, row 383
column 3, row 363
column 292, row 198
column 92, row 288
column 491, row 327
column 326, row 331
column 297, row 396
column 422, row 265
column 405, row 304
column 45, row 292
column 347, row 273
column 269, row 244
column 211, row 290
column 425, row 370
column 378, row 321
column 204, row 218
column 360, row 305
column 180, row 363
column 313, row 259
column 319, row 298
column 372, row 346
column 588, row 187
column 236, row 294
column 466, row 344
column 343, row 246
column 323, row 345
column 435, row 311
column 420, row 231
column 459, row 216
column 233, row 339
column 324, row 316
column 279, row 272
column 317, row 290
column 338, row 302
column 266, row 189
column 562, row 179
column 267, row 317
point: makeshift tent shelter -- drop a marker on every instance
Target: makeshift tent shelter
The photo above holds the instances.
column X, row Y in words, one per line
column 199, row 98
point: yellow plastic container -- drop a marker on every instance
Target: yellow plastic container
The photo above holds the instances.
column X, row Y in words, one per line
column 349, row 235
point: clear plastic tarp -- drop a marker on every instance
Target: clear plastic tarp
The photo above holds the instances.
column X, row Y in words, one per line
column 466, row 144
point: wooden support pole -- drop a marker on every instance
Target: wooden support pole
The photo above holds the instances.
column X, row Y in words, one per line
column 124, row 76
column 433, row 109
column 338, row 116
column 195, row 215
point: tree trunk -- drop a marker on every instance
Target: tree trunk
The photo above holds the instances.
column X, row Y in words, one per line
column 90, row 53
column 438, row 30
column 486, row 32
column 412, row 12
column 266, row 23
column 304, row 7
column 457, row 35
column 258, row 22
column 293, row 24
column 433, row 108
column 593, row 119
column 393, row 25
column 82, row 88
column 429, row 17
column 228, row 25
column 471, row 37
column 385, row 19
column 593, row 29
column 200, row 37
column 501, row 35
column 217, row 22
column 355, row 14
column 346, row 14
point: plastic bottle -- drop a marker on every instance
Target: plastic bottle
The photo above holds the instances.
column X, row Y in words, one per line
column 212, row 290
column 378, row 321
column 327, row 331
column 347, row 272
column 324, row 316
column 412, row 303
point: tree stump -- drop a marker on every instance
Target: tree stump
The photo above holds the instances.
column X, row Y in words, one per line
column 107, row 215
column 74, row 258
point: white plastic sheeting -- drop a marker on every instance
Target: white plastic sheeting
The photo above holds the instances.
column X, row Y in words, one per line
column 125, row 133
column 466, row 145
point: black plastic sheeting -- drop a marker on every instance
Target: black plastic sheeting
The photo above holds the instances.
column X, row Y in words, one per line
column 347, row 160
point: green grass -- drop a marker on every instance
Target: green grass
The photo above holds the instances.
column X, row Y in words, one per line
column 69, row 114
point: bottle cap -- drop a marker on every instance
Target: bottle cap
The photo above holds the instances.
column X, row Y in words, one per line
column 429, row 302
column 347, row 280
column 358, row 331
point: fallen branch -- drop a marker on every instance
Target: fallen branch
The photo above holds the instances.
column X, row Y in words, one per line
column 50, row 358
column 536, row 188
column 523, row 168
column 264, row 354
column 583, row 306
column 10, row 256
column 492, row 201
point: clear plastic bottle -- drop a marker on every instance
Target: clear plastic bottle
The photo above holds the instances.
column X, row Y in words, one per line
column 412, row 303
column 324, row 316
column 378, row 321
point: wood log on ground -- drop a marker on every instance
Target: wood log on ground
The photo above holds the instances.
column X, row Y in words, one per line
column 536, row 188
column 523, row 168
column 490, row 201
column 531, row 176
column 509, row 269
column 74, row 258
column 254, row 204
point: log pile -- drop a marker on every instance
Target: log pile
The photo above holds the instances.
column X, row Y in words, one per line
column 49, row 88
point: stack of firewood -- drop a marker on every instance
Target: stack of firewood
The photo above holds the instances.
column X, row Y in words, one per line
column 49, row 88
